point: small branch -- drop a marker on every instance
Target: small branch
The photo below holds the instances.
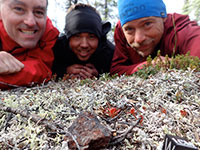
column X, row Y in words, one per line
column 10, row 85
column 7, row 120
column 112, row 119
column 117, row 139
column 74, row 139
column 35, row 118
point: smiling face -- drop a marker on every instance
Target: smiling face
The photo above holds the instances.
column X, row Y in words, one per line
column 83, row 45
column 144, row 34
column 24, row 20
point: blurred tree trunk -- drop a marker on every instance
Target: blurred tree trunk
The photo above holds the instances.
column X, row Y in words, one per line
column 71, row 2
column 106, row 10
column 186, row 7
column 192, row 7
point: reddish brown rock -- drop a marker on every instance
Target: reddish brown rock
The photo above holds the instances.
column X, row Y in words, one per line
column 88, row 132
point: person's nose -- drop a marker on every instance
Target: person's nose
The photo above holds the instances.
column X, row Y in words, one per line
column 139, row 36
column 30, row 20
column 84, row 42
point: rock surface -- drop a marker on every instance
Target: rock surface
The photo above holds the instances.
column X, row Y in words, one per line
column 88, row 132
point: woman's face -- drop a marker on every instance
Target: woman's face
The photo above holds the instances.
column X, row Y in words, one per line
column 83, row 45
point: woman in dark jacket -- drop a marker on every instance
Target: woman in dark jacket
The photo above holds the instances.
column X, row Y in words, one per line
column 83, row 51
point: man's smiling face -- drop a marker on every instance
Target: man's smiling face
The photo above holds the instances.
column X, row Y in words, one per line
column 144, row 34
column 24, row 20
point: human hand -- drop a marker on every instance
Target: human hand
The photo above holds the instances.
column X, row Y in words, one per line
column 81, row 71
column 74, row 70
column 89, row 71
column 9, row 64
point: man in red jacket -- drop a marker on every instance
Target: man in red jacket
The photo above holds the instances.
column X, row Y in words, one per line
column 26, row 40
column 144, row 28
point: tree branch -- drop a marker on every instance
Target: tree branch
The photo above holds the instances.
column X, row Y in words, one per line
column 35, row 118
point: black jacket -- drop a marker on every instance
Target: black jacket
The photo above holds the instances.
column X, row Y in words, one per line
column 64, row 56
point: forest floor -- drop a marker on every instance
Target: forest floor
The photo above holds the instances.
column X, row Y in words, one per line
column 166, row 103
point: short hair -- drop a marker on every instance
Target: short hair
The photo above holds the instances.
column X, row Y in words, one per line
column 81, row 5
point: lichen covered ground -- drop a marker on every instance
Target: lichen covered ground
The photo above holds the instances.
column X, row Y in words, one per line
column 166, row 103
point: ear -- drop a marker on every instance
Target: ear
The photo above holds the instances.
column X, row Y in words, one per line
column 106, row 26
column 164, row 19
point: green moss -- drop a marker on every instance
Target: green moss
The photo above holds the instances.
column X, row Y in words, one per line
column 180, row 62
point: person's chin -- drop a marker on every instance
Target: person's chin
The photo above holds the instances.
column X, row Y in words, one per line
column 142, row 54
column 28, row 45
column 83, row 58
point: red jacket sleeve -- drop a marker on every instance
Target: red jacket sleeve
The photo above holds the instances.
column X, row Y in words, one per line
column 187, row 36
column 125, row 59
column 188, row 33
column 37, row 62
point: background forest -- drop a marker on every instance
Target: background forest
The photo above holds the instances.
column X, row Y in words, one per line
column 108, row 10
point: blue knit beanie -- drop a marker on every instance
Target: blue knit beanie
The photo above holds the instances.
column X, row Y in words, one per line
column 134, row 9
